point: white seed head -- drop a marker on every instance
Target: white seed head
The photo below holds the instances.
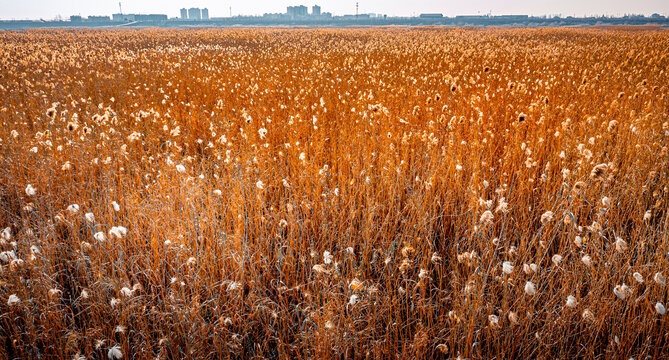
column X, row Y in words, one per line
column 118, row 231
column 319, row 268
column 327, row 257
column 234, row 286
column 659, row 278
column 99, row 236
column 659, row 308
column 115, row 353
column 507, row 267
column 13, row 300
column 546, row 217
column 8, row 256
column 356, row 285
column 529, row 288
column 6, row 234
column 513, row 317
column 620, row 291
column 647, row 215
column 606, row 201
column 588, row 315
column 487, row 217
column 126, row 291
column 621, row 245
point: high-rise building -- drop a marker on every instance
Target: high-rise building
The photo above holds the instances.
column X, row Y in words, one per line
column 184, row 14
column 315, row 10
column 194, row 14
column 205, row 14
column 297, row 11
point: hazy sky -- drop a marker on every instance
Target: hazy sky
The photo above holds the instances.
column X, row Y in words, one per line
column 48, row 9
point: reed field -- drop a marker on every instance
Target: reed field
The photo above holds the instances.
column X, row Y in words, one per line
column 334, row 193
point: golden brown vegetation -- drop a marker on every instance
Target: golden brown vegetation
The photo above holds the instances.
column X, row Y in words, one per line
column 334, row 193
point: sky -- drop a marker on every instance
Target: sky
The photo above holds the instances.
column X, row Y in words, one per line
column 49, row 9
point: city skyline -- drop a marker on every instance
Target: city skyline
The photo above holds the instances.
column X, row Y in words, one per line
column 36, row 9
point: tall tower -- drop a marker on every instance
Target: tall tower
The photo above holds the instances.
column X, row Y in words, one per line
column 356, row 9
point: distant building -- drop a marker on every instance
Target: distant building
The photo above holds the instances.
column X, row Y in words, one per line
column 150, row 17
column 297, row 11
column 205, row 14
column 98, row 18
column 431, row 16
column 75, row 18
column 274, row 16
column 194, row 14
column 123, row 17
column 512, row 17
column 184, row 14
column 315, row 10
column 472, row 17
column 138, row 17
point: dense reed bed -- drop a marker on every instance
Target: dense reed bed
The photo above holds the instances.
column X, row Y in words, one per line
column 283, row 193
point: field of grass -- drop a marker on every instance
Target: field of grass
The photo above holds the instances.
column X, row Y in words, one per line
column 351, row 193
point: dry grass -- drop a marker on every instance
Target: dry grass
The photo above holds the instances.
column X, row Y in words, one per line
column 334, row 193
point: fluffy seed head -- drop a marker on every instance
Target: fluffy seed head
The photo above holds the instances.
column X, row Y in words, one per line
column 13, row 300
column 659, row 278
column 529, row 288
column 546, row 217
column 659, row 308
column 621, row 291
column 507, row 267
column 621, row 245
column 115, row 353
